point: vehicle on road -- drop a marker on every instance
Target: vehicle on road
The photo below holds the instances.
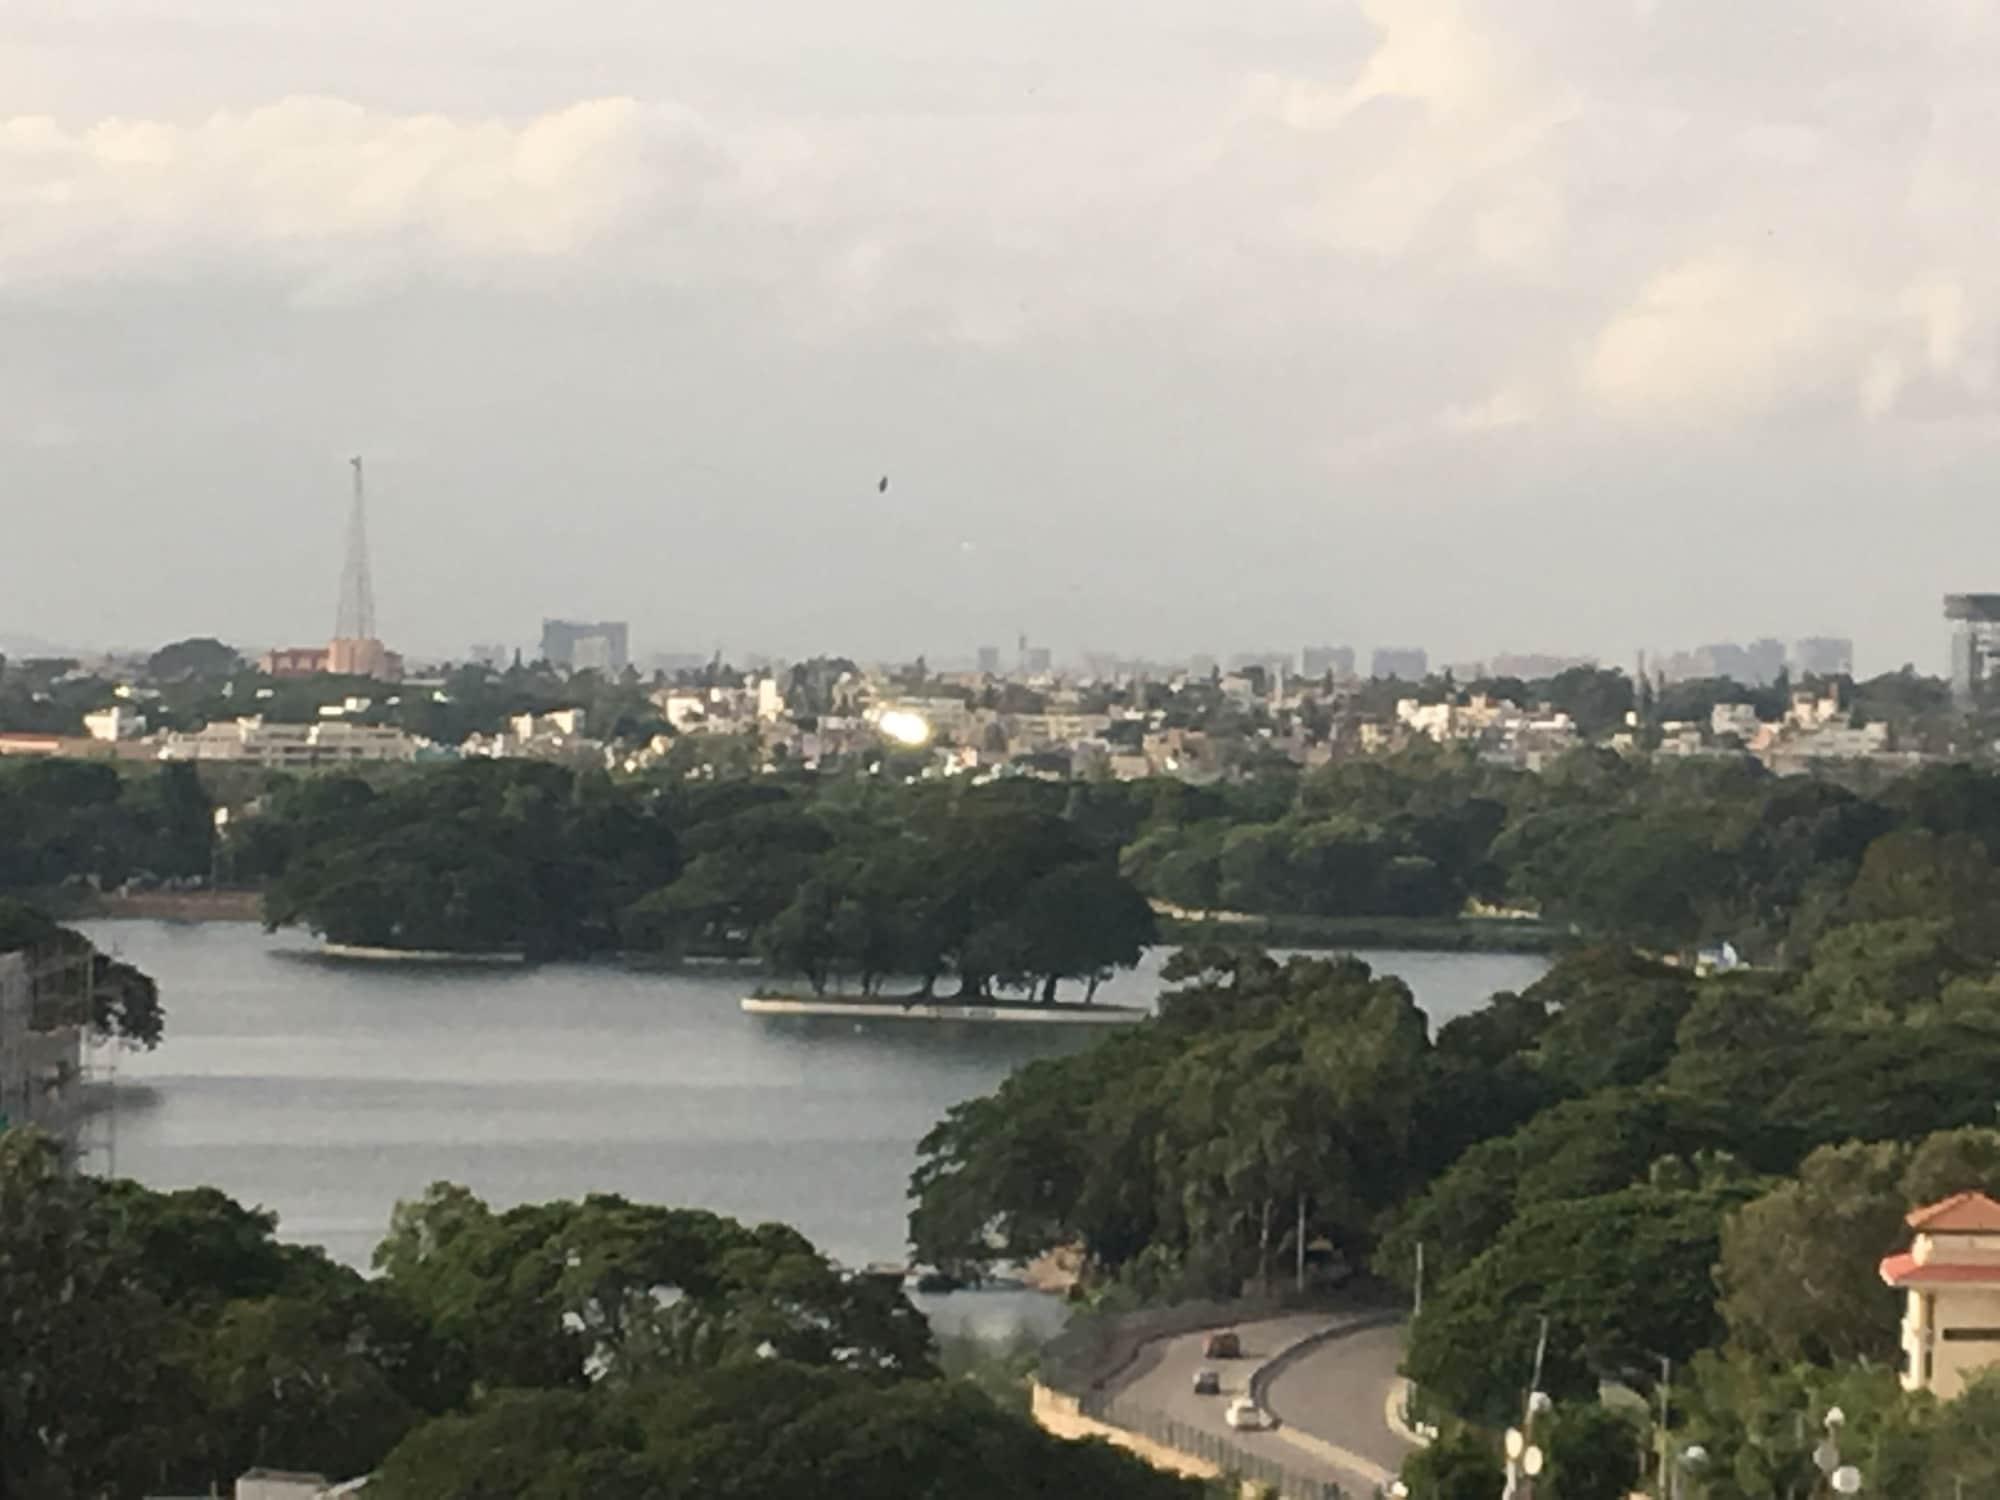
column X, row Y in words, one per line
column 1223, row 1345
column 1246, row 1415
column 1207, row 1383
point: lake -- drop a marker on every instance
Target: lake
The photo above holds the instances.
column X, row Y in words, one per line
column 327, row 1091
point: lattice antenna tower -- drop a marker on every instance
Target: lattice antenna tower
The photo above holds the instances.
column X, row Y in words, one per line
column 355, row 619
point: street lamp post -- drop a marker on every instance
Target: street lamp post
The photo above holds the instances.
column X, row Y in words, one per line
column 1524, row 1458
column 1688, row 1464
column 1841, row 1479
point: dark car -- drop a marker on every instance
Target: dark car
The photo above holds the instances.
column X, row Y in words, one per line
column 1223, row 1345
column 1207, row 1383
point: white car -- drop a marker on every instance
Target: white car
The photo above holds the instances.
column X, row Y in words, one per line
column 1246, row 1415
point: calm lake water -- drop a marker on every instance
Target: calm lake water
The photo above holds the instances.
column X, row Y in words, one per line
column 328, row 1091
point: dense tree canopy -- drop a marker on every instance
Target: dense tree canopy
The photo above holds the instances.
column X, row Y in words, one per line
column 166, row 1342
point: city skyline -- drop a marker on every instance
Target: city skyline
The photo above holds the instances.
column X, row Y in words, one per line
column 1382, row 322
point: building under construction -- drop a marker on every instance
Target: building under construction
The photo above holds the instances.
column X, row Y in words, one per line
column 1975, row 643
column 46, row 979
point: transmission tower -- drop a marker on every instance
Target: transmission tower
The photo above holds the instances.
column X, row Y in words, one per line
column 355, row 619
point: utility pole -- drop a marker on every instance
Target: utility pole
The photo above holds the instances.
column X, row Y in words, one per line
column 1299, row 1278
column 1666, row 1434
column 1417, row 1307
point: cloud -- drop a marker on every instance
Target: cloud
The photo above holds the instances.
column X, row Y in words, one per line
column 1715, row 333
column 1495, row 413
column 320, row 187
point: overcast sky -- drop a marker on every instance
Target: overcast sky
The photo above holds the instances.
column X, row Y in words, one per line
column 1579, row 325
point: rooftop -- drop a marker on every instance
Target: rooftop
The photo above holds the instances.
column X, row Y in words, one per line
column 1903, row 1270
column 1962, row 1213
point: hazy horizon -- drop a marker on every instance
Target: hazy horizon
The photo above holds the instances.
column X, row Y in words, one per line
column 1606, row 328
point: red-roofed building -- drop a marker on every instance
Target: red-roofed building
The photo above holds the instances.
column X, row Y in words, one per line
column 1951, row 1272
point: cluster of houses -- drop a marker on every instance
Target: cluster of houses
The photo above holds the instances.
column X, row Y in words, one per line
column 1127, row 724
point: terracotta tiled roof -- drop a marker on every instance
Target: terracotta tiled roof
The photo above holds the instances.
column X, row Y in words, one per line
column 1903, row 1270
column 1961, row 1213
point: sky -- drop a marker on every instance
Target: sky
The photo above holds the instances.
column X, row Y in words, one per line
column 1585, row 326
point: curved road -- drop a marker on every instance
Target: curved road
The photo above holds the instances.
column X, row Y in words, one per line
column 1330, row 1401
column 1339, row 1392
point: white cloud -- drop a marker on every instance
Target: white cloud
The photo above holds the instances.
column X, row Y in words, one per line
column 1495, row 413
column 319, row 186
column 1715, row 334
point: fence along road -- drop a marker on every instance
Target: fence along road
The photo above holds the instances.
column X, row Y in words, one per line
column 1155, row 1396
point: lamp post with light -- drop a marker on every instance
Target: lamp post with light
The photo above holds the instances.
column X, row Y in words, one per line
column 1688, row 1464
column 1841, row 1479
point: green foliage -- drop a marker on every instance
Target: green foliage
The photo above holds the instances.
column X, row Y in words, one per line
column 198, row 657
column 484, row 855
column 64, row 820
column 755, row 1431
column 1593, row 1453
column 1622, row 1278
column 558, row 1294
column 1193, row 1143
column 1461, row 1465
column 167, row 1341
column 1798, row 1265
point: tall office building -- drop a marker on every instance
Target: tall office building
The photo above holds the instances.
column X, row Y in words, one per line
column 577, row 647
column 989, row 660
column 1320, row 661
column 1823, row 656
column 1406, row 663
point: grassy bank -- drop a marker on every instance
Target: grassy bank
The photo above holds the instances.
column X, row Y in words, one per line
column 1430, row 934
column 71, row 904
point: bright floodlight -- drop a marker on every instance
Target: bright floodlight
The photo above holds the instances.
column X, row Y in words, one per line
column 904, row 727
column 1515, row 1442
column 1540, row 1404
column 1531, row 1462
column 1847, row 1479
column 1835, row 1416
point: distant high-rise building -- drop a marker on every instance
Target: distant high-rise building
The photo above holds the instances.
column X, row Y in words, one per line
column 989, row 660
column 1766, row 660
column 1269, row 662
column 1823, row 656
column 1975, row 644
column 1406, row 663
column 578, row 647
column 1755, row 665
column 1530, row 666
column 1334, row 661
column 1035, row 660
column 493, row 658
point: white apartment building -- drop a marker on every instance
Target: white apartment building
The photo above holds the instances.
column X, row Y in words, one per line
column 251, row 741
column 118, row 722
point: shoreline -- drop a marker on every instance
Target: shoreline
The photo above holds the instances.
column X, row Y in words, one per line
column 362, row 953
column 1495, row 935
column 1498, row 935
column 916, row 1008
column 156, row 906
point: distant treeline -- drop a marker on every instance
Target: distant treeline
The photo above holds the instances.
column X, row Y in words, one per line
column 1020, row 882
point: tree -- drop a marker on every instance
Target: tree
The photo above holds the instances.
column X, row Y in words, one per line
column 556, row 1294
column 1267, row 1090
column 754, row 1431
column 201, row 656
column 84, row 1380
column 1593, row 1454
column 1612, row 1313
column 1798, row 1265
column 1459, row 1465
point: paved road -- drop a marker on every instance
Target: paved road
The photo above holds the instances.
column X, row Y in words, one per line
column 1339, row 1390
column 1162, row 1379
